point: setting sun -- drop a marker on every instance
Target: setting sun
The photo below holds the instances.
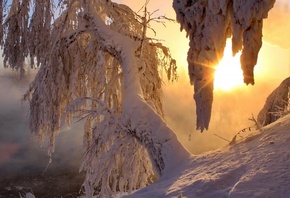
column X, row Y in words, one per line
column 228, row 73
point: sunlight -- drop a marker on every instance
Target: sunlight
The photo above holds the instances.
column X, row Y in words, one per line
column 228, row 73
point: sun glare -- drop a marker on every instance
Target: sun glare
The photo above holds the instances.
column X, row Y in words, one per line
column 228, row 74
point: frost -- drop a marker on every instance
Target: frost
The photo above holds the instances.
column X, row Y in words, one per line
column 277, row 104
column 208, row 24
column 27, row 195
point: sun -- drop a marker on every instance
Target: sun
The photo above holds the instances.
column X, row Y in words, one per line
column 228, row 74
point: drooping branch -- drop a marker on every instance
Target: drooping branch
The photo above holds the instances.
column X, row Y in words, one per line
column 16, row 37
column 208, row 24
column 40, row 32
column 140, row 120
column 247, row 23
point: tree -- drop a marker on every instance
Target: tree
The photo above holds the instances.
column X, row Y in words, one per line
column 97, row 64
column 277, row 104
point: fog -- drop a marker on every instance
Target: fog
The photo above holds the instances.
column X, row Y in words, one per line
column 276, row 28
column 230, row 114
column 231, row 109
column 18, row 153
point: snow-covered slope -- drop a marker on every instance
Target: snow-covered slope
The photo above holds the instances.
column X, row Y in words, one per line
column 257, row 166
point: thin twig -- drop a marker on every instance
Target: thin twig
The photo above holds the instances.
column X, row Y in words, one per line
column 222, row 138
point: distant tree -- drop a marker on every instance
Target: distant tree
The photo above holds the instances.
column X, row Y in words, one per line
column 97, row 64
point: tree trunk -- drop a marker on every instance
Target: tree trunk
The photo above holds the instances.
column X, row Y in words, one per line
column 164, row 149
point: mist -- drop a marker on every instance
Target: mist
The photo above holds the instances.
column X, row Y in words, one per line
column 230, row 114
column 276, row 27
column 19, row 154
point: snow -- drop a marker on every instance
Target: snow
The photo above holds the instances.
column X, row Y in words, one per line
column 256, row 166
column 28, row 195
column 138, row 121
column 276, row 104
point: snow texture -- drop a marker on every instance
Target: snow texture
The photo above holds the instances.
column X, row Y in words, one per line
column 208, row 24
column 28, row 195
column 256, row 166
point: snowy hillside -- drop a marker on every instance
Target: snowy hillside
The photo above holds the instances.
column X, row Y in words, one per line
column 257, row 166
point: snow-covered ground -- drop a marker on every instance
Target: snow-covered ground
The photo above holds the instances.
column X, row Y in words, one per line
column 256, row 166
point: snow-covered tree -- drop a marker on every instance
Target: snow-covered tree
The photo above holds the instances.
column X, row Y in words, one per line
column 97, row 64
column 208, row 24
column 277, row 104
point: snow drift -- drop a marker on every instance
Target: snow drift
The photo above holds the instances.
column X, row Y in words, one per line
column 256, row 166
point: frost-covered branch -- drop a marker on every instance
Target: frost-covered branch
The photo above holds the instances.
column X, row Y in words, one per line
column 277, row 104
column 138, row 118
column 148, row 18
column 208, row 24
column 16, row 37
